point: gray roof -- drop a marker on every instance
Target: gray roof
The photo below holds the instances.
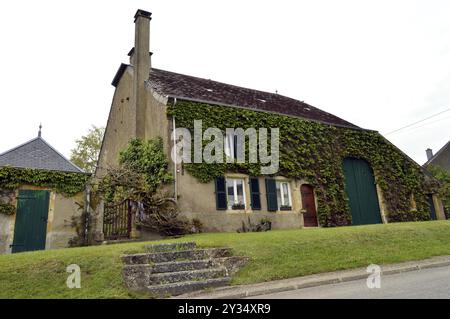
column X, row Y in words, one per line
column 204, row 90
column 438, row 155
column 37, row 154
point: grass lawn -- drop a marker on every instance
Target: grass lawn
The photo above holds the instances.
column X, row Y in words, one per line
column 274, row 255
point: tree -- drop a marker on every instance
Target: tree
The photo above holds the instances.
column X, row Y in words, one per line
column 140, row 179
column 87, row 149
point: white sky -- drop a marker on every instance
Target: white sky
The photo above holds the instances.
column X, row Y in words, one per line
column 379, row 64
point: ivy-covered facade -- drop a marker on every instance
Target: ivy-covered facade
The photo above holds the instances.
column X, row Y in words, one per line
column 314, row 154
column 41, row 195
column 331, row 172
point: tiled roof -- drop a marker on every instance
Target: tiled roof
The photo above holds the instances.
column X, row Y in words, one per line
column 193, row 88
column 37, row 154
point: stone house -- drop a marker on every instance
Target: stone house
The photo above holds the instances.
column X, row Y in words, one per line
column 441, row 158
column 41, row 194
column 351, row 183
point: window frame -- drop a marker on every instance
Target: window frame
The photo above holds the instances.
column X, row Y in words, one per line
column 235, row 193
column 281, row 204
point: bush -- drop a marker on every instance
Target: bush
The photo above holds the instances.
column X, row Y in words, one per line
column 264, row 225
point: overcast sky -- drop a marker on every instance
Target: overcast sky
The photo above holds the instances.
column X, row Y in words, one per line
column 378, row 64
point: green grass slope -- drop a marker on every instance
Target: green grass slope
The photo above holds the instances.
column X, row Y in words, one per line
column 274, row 255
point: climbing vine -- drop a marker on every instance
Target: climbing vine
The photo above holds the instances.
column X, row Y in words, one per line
column 315, row 152
column 7, row 209
column 140, row 178
column 67, row 184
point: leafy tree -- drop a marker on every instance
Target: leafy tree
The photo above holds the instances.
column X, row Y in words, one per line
column 444, row 177
column 87, row 149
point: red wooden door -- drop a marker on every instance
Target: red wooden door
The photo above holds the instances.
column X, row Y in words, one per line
column 309, row 204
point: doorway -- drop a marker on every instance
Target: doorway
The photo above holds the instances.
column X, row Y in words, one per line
column 362, row 192
column 30, row 228
column 309, row 205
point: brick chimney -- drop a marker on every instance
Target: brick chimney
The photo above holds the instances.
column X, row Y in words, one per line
column 429, row 152
column 140, row 59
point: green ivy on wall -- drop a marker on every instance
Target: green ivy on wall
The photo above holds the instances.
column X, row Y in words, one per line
column 315, row 152
column 7, row 209
column 67, row 184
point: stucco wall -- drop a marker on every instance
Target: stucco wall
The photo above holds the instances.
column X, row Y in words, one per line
column 157, row 122
column 59, row 229
column 121, row 126
column 198, row 200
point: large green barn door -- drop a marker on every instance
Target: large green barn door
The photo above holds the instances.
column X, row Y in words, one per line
column 361, row 191
column 30, row 228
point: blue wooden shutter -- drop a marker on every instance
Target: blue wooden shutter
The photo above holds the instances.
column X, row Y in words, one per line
column 271, row 192
column 221, row 193
column 255, row 194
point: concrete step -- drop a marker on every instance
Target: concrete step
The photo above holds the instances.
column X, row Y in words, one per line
column 171, row 246
column 198, row 254
column 172, row 266
column 187, row 275
column 178, row 288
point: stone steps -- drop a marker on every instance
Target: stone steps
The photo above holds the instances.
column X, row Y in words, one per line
column 178, row 288
column 171, row 246
column 178, row 268
column 172, row 266
column 187, row 275
column 197, row 254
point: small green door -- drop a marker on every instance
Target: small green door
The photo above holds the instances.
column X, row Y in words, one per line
column 432, row 209
column 31, row 221
column 361, row 191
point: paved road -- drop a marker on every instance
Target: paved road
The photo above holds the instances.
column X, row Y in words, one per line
column 426, row 283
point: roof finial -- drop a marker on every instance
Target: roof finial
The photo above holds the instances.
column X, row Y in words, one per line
column 40, row 128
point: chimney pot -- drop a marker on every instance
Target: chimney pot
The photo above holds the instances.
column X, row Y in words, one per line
column 429, row 152
column 142, row 13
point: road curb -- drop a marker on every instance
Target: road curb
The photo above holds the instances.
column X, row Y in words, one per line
column 252, row 290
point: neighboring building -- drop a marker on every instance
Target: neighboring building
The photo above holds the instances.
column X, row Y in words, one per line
column 41, row 217
column 141, row 108
column 441, row 158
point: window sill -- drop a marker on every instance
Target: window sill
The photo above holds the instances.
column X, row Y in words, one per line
column 285, row 208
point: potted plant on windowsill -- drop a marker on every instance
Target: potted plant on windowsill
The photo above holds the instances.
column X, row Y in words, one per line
column 238, row 206
column 285, row 207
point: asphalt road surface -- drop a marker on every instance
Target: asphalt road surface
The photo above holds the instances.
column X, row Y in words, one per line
column 423, row 284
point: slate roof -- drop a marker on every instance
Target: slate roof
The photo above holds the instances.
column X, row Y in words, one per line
column 37, row 154
column 187, row 87
column 190, row 87
column 437, row 155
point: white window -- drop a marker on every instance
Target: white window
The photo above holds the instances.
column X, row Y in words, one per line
column 235, row 193
column 284, row 195
column 229, row 145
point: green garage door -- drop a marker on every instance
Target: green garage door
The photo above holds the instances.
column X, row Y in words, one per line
column 30, row 228
column 361, row 191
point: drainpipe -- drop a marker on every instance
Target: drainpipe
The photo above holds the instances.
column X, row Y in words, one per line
column 87, row 216
column 175, row 191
